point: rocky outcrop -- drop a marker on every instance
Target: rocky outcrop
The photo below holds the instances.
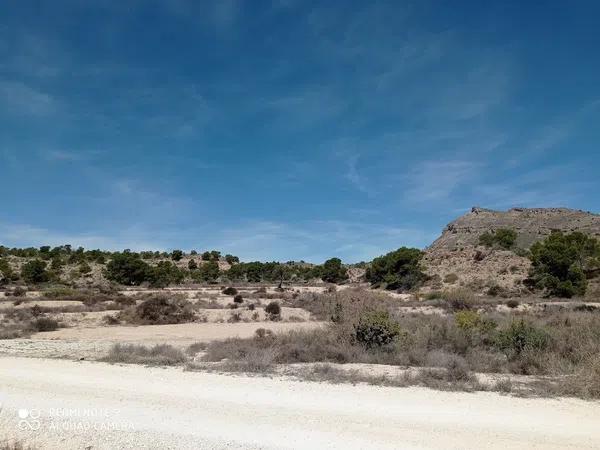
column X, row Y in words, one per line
column 456, row 255
column 531, row 225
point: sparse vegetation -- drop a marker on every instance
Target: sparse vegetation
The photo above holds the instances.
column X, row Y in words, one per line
column 158, row 355
column 503, row 238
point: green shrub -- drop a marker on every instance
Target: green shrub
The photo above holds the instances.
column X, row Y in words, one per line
column 207, row 272
column 192, row 264
column 164, row 274
column 559, row 263
column 84, row 268
column 398, row 270
column 127, row 269
column 503, row 237
column 375, row 329
column 35, row 271
column 467, row 320
column 332, row 271
column 238, row 299
column 521, row 336
column 176, row 255
column 273, row 310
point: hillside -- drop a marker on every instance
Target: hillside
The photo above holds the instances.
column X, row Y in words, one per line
column 456, row 258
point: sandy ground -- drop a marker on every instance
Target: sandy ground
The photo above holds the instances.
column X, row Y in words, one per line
column 92, row 342
column 72, row 405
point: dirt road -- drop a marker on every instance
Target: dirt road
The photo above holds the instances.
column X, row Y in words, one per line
column 83, row 404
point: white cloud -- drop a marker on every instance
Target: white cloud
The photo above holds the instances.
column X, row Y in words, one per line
column 434, row 181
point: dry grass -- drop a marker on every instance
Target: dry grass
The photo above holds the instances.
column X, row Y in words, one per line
column 560, row 344
column 158, row 355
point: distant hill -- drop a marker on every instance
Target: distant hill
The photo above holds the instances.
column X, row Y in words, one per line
column 457, row 253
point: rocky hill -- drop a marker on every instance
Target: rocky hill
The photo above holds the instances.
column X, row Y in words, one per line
column 456, row 258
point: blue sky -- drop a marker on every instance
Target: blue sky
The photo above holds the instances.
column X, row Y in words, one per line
column 290, row 129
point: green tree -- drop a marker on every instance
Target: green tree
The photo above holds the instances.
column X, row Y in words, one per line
column 231, row 260
column 208, row 272
column 332, row 271
column 192, row 264
column 127, row 269
column 35, row 271
column 559, row 263
column 206, row 256
column 6, row 272
column 397, row 270
column 164, row 274
column 176, row 255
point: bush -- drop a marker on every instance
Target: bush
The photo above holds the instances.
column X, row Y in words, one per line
column 332, row 271
column 207, row 272
column 375, row 329
column 84, row 268
column 512, row 304
column 35, row 271
column 127, row 269
column 467, row 320
column 230, row 291
column 503, row 237
column 559, row 263
column 273, row 310
column 238, row 299
column 45, row 324
column 19, row 292
column 164, row 274
column 159, row 355
column 192, row 264
column 398, row 270
column 521, row 336
column 495, row 290
column 160, row 310
column 459, row 299
column 451, row 278
column 176, row 255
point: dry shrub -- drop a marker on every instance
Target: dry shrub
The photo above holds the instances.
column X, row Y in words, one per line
column 159, row 310
column 159, row 355
column 460, row 298
column 45, row 324
column 230, row 291
column 451, row 278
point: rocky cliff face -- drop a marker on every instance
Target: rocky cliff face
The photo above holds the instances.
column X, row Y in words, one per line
column 531, row 224
column 457, row 253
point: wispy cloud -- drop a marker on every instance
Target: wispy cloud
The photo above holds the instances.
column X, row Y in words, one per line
column 434, row 181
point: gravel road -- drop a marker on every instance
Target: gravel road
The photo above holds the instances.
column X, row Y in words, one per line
column 65, row 404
